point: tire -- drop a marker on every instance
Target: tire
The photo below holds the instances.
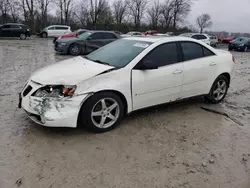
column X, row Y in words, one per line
column 74, row 49
column 229, row 49
column 99, row 118
column 23, row 36
column 44, row 35
column 218, row 90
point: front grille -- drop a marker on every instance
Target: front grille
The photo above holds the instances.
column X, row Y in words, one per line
column 27, row 90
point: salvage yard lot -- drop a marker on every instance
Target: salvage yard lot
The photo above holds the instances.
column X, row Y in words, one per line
column 174, row 145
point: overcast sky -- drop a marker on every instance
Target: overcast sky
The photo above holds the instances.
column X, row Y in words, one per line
column 227, row 15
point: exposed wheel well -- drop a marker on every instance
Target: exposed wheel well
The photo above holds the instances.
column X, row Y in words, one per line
column 227, row 75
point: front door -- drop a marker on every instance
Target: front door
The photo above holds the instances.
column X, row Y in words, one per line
column 161, row 85
column 94, row 41
column 199, row 65
column 5, row 31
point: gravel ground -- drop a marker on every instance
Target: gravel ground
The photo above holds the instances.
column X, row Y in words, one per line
column 175, row 146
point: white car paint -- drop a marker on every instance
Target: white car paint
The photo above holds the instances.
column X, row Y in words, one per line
column 57, row 30
column 140, row 88
column 206, row 39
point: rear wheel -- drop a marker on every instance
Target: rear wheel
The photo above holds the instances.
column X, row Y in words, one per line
column 219, row 90
column 23, row 36
column 74, row 49
column 102, row 112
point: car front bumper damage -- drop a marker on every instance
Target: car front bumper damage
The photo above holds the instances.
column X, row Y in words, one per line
column 52, row 112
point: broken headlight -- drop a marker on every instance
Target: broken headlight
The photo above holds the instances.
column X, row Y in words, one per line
column 55, row 91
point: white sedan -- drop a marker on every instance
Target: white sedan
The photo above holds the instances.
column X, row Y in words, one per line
column 129, row 74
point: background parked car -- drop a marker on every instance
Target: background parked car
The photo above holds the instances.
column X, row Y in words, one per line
column 54, row 31
column 85, row 43
column 151, row 32
column 161, row 34
column 240, row 44
column 202, row 37
column 213, row 41
column 132, row 33
column 14, row 30
column 227, row 40
column 70, row 35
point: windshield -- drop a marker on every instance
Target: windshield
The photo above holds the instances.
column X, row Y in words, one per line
column 84, row 35
column 241, row 40
column 119, row 53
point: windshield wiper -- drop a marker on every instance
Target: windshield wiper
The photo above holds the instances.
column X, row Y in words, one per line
column 101, row 62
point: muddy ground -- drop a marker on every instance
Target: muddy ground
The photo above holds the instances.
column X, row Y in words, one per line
column 175, row 146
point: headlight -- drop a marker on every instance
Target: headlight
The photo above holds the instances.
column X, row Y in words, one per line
column 63, row 43
column 59, row 91
column 241, row 45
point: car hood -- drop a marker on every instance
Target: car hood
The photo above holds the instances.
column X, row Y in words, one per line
column 69, row 72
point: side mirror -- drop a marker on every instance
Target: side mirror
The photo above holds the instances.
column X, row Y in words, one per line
column 89, row 38
column 148, row 65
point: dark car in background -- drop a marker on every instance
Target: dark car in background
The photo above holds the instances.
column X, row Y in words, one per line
column 70, row 35
column 15, row 30
column 85, row 43
column 240, row 44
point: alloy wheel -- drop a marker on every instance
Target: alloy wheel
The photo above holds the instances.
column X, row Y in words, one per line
column 22, row 36
column 220, row 90
column 105, row 113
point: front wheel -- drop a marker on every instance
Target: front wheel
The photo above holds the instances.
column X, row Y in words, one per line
column 219, row 90
column 74, row 49
column 23, row 36
column 102, row 112
column 44, row 35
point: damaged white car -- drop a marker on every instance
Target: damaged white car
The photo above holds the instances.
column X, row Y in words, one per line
column 129, row 74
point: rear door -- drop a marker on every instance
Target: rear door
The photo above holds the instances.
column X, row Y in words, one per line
column 5, row 31
column 61, row 30
column 15, row 30
column 51, row 31
column 94, row 41
column 108, row 37
column 199, row 65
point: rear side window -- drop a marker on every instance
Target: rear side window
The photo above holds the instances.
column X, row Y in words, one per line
column 97, row 36
column 201, row 37
column 6, row 27
column 163, row 55
column 109, row 36
column 207, row 52
column 61, row 28
column 195, row 37
column 15, row 27
column 193, row 50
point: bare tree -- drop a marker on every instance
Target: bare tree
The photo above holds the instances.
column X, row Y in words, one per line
column 82, row 13
column 153, row 14
column 137, row 9
column 167, row 12
column 204, row 21
column 120, row 9
column 96, row 9
column 180, row 10
column 43, row 7
column 4, row 8
column 30, row 4
column 65, row 7
column 14, row 9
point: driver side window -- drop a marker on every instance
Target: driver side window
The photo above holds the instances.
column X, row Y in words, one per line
column 165, row 54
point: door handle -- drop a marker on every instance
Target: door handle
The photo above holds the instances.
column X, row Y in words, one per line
column 212, row 64
column 177, row 72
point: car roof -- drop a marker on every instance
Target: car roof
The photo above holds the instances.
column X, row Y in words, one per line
column 12, row 24
column 154, row 39
column 96, row 31
column 58, row 25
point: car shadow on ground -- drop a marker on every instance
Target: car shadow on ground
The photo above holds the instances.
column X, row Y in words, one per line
column 128, row 120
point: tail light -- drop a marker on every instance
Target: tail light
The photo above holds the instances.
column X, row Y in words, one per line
column 233, row 59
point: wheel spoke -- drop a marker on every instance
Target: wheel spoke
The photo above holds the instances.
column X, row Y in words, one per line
column 216, row 91
column 103, row 119
column 111, row 117
column 113, row 106
column 104, row 106
column 99, row 113
column 223, row 85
